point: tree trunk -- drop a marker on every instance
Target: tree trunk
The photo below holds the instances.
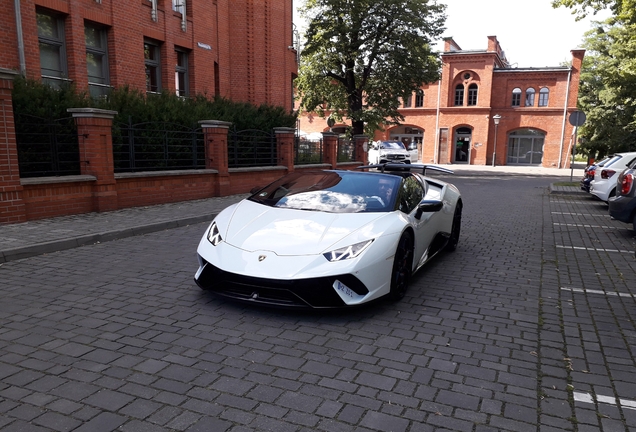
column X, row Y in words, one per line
column 357, row 127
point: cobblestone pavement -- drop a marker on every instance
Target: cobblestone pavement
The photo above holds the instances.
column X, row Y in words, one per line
column 529, row 326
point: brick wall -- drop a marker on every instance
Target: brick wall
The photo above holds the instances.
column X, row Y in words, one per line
column 246, row 39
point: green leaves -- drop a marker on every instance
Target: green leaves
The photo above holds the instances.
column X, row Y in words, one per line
column 37, row 99
column 607, row 92
column 361, row 55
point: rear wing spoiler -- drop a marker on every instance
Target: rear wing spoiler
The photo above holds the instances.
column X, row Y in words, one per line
column 406, row 167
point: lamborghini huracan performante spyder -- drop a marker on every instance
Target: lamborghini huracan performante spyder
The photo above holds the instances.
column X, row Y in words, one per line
column 323, row 239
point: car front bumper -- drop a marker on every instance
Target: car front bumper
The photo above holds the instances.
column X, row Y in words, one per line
column 319, row 292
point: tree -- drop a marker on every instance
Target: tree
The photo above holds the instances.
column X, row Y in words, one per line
column 607, row 91
column 624, row 10
column 361, row 55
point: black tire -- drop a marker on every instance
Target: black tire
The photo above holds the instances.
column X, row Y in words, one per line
column 455, row 230
column 634, row 222
column 402, row 267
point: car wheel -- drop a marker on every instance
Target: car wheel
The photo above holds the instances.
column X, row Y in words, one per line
column 402, row 267
column 457, row 225
column 634, row 222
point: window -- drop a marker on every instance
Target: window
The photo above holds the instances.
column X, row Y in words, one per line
column 181, row 73
column 153, row 69
column 52, row 48
column 544, row 93
column 472, row 94
column 525, row 147
column 530, row 97
column 411, row 194
column 96, row 59
column 516, row 97
column 408, row 101
column 459, row 95
column 419, row 99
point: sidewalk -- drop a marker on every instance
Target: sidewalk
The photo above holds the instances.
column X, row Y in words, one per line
column 38, row 237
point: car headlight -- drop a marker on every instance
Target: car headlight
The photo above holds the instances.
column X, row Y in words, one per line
column 347, row 252
column 214, row 236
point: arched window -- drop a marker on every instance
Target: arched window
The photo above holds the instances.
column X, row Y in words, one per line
column 459, row 95
column 525, row 147
column 530, row 97
column 408, row 100
column 516, row 97
column 472, row 94
column 544, row 93
column 419, row 98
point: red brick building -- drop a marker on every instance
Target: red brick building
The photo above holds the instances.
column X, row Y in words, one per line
column 239, row 49
column 454, row 120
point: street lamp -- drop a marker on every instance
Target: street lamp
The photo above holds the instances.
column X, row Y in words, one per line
column 496, row 119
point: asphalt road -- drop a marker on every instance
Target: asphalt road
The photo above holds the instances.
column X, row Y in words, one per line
column 529, row 326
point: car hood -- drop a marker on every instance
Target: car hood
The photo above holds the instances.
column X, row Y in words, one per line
column 255, row 227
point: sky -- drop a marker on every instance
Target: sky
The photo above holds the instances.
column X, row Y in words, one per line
column 531, row 32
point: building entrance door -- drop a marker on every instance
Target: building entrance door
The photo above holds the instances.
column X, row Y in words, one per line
column 463, row 138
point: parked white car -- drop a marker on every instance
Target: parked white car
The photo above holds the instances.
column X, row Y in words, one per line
column 604, row 184
column 388, row 151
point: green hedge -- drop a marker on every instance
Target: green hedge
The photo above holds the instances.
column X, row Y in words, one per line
column 33, row 98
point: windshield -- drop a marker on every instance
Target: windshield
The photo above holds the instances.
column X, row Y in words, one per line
column 396, row 145
column 332, row 192
column 612, row 160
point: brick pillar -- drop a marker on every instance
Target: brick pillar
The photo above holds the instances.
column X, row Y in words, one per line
column 215, row 136
column 330, row 149
column 285, row 145
column 95, row 135
column 12, row 207
column 361, row 143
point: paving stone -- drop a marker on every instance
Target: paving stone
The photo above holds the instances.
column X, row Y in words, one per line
column 464, row 350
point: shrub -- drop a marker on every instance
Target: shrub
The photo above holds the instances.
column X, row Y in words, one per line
column 31, row 97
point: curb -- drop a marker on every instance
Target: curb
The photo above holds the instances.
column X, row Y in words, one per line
column 89, row 239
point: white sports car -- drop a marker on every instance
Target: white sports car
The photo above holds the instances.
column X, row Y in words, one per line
column 323, row 239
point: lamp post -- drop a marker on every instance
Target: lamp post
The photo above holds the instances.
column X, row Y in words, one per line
column 496, row 119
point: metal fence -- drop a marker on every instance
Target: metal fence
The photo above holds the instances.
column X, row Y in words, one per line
column 252, row 148
column 346, row 150
column 157, row 146
column 307, row 151
column 46, row 147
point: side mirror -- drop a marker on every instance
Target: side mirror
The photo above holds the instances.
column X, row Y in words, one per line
column 428, row 206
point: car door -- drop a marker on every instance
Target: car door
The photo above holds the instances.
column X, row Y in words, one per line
column 411, row 194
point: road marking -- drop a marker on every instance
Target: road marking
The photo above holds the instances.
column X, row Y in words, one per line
column 603, row 292
column 585, row 225
column 594, row 249
column 588, row 398
column 580, row 214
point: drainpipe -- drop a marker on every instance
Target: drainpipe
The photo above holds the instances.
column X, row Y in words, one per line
column 565, row 115
column 436, row 152
column 18, row 25
column 153, row 11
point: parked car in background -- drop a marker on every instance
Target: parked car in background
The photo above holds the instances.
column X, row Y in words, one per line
column 622, row 207
column 388, row 151
column 588, row 174
column 604, row 184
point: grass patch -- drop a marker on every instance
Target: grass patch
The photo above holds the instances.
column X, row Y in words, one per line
column 566, row 183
